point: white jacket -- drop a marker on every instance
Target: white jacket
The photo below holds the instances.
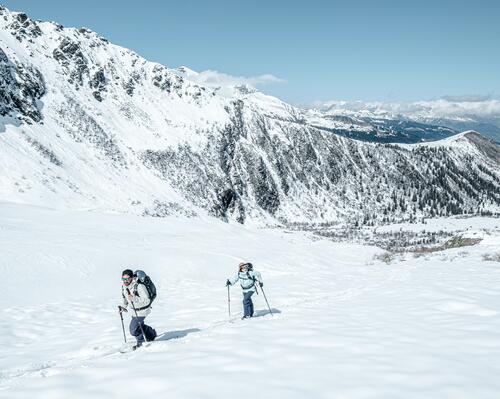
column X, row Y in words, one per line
column 140, row 300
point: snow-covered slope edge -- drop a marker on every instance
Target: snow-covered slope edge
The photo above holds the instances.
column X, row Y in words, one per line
column 85, row 124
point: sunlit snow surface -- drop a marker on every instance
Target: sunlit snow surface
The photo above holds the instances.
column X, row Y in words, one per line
column 345, row 325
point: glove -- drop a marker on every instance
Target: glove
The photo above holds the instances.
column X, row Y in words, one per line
column 261, row 285
column 228, row 283
column 122, row 309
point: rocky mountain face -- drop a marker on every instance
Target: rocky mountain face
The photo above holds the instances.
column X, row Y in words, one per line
column 90, row 125
column 21, row 87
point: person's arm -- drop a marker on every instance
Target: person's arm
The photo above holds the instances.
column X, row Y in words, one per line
column 257, row 276
column 234, row 280
column 123, row 307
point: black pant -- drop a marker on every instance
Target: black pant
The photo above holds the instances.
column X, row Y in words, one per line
column 248, row 304
column 135, row 330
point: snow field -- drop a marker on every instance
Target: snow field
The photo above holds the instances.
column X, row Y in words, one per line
column 345, row 326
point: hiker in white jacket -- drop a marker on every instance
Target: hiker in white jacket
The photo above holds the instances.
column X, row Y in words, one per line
column 136, row 295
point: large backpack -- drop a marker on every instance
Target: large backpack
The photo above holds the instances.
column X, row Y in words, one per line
column 143, row 278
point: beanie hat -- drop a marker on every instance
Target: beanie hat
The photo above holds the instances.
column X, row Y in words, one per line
column 128, row 272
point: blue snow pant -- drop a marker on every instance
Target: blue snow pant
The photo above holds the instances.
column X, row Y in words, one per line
column 135, row 330
column 247, row 304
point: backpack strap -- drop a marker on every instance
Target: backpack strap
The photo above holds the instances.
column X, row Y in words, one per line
column 248, row 278
column 137, row 293
column 253, row 285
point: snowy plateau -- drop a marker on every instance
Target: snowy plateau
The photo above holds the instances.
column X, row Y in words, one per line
column 378, row 240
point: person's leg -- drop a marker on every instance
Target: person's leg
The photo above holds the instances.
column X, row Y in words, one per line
column 251, row 304
column 150, row 332
column 135, row 329
column 247, row 304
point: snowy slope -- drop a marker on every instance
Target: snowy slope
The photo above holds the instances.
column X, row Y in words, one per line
column 85, row 124
column 345, row 325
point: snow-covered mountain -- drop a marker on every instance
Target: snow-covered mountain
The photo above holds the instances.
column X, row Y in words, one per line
column 86, row 124
column 458, row 113
column 377, row 128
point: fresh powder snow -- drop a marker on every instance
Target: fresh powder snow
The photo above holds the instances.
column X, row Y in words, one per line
column 345, row 324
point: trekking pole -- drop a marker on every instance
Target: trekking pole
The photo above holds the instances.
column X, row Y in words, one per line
column 140, row 325
column 229, row 301
column 270, row 311
column 123, row 326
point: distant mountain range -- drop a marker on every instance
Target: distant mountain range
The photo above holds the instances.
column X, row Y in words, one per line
column 86, row 124
column 461, row 113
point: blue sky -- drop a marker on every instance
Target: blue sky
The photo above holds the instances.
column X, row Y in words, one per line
column 320, row 50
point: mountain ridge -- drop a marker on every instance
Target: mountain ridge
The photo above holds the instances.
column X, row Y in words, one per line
column 90, row 125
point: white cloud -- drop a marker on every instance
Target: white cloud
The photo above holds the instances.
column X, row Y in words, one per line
column 444, row 107
column 212, row 78
column 468, row 98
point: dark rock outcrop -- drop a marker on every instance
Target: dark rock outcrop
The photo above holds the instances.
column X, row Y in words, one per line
column 74, row 62
column 21, row 88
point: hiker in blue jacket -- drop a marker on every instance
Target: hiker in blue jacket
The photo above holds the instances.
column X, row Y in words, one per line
column 247, row 278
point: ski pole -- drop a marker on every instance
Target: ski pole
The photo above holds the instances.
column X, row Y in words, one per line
column 135, row 311
column 123, row 326
column 229, row 301
column 270, row 311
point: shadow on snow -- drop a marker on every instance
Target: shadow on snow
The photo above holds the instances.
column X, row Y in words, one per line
column 167, row 336
column 260, row 313
column 176, row 334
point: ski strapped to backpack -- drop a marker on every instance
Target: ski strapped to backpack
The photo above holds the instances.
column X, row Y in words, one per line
column 143, row 278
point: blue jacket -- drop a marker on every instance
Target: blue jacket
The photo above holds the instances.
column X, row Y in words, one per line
column 247, row 280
